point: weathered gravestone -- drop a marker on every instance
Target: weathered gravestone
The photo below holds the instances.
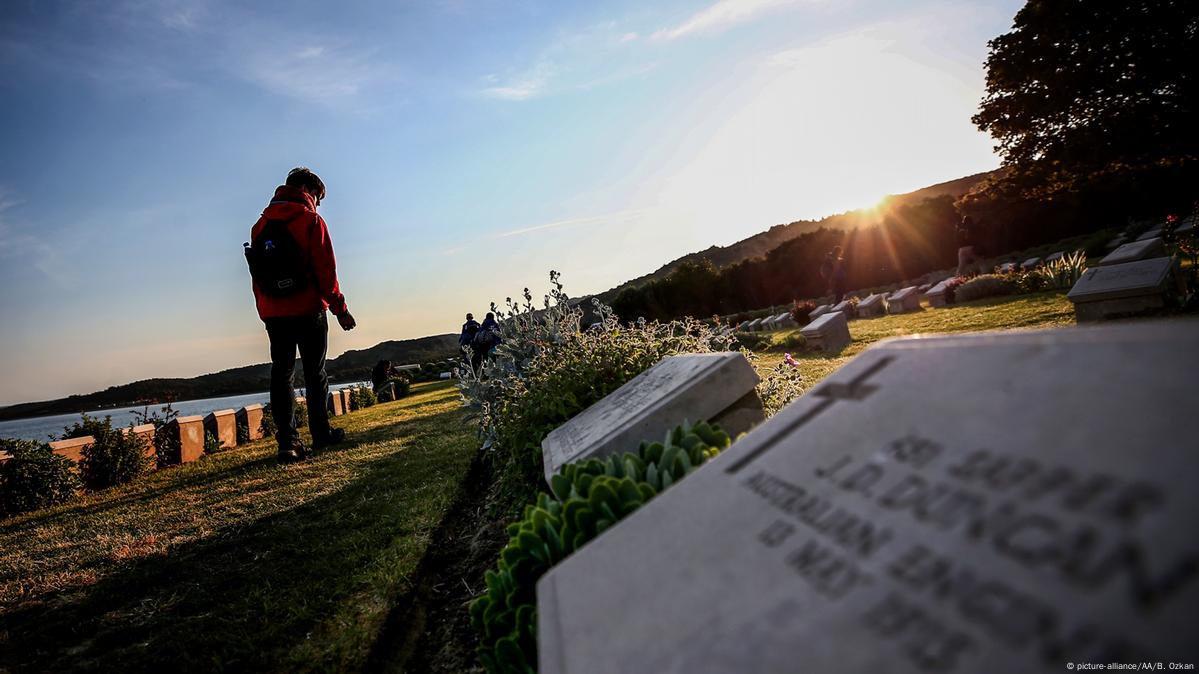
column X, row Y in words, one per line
column 754, row 325
column 251, row 416
column 1032, row 507
column 1121, row 289
column 902, row 301
column 1006, row 268
column 1137, row 250
column 146, row 433
column 188, row 433
column 829, row 332
column 337, row 404
column 693, row 387
column 938, row 295
column 846, row 307
column 223, row 425
column 819, row 311
column 347, row 399
column 72, row 448
column 1154, row 233
column 875, row 305
column 1030, row 264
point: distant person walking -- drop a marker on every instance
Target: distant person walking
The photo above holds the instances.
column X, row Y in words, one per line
column 967, row 240
column 295, row 280
column 466, row 340
column 832, row 269
column 488, row 336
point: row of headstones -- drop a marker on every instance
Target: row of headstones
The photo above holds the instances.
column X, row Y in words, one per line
column 856, row 532
column 1137, row 276
column 766, row 324
column 189, row 431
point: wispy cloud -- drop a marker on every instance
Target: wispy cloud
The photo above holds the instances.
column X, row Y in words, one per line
column 524, row 86
column 723, row 14
column 21, row 246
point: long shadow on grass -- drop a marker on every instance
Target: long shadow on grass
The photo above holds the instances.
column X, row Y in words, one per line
column 246, row 598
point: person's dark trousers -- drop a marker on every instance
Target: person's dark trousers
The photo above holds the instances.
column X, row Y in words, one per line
column 311, row 335
column 476, row 360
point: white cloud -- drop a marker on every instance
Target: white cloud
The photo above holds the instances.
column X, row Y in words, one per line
column 628, row 37
column 610, row 217
column 22, row 247
column 525, row 86
column 723, row 14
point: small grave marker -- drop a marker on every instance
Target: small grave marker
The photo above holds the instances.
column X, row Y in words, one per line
column 903, row 301
column 1137, row 250
column 938, row 295
column 819, row 311
column 829, row 332
column 72, row 448
column 223, row 425
column 190, row 433
column 1121, row 289
column 251, row 416
column 337, row 404
column 693, row 387
column 875, row 305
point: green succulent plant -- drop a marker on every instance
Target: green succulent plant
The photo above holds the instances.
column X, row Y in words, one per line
column 586, row 498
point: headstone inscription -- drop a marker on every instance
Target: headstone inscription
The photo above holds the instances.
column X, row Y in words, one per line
column 829, row 333
column 855, row 532
column 905, row 300
column 693, row 387
column 875, row 305
column 223, row 425
column 1121, row 289
column 1137, row 250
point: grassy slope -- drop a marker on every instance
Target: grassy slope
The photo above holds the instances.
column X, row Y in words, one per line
column 1041, row 310
column 234, row 562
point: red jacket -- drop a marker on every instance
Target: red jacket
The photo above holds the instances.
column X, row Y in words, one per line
column 309, row 231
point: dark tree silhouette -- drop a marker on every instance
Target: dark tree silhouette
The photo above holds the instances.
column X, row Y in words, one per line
column 1086, row 95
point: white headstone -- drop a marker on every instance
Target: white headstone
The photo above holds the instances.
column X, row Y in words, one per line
column 1137, row 250
column 1121, row 289
column 693, row 387
column 875, row 305
column 937, row 295
column 1010, row 502
column 901, row 301
column 829, row 332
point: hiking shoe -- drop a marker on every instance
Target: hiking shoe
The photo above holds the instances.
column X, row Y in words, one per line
column 294, row 454
column 335, row 436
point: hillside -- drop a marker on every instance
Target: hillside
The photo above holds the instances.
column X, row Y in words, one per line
column 354, row 365
column 760, row 244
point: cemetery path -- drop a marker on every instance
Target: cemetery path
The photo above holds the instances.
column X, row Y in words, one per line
column 235, row 562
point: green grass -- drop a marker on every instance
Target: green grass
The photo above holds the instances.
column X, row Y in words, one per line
column 1041, row 310
column 235, row 562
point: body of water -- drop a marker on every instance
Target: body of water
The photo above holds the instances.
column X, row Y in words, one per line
column 41, row 428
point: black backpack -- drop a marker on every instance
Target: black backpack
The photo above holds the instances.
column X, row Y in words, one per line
column 276, row 261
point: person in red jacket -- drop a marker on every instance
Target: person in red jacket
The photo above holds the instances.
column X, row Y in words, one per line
column 298, row 320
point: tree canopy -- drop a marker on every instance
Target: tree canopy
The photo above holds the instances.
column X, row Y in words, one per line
column 1081, row 94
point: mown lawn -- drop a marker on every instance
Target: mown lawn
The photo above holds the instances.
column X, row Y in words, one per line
column 235, row 562
column 1041, row 310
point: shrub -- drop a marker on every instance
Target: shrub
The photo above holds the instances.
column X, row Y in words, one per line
column 985, row 285
column 780, row 386
column 166, row 444
column 548, row 369
column 34, row 477
column 402, row 386
column 113, row 459
column 1064, row 272
column 801, row 310
column 363, row 397
column 586, row 498
column 211, row 444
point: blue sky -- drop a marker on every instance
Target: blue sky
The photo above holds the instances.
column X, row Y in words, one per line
column 468, row 148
